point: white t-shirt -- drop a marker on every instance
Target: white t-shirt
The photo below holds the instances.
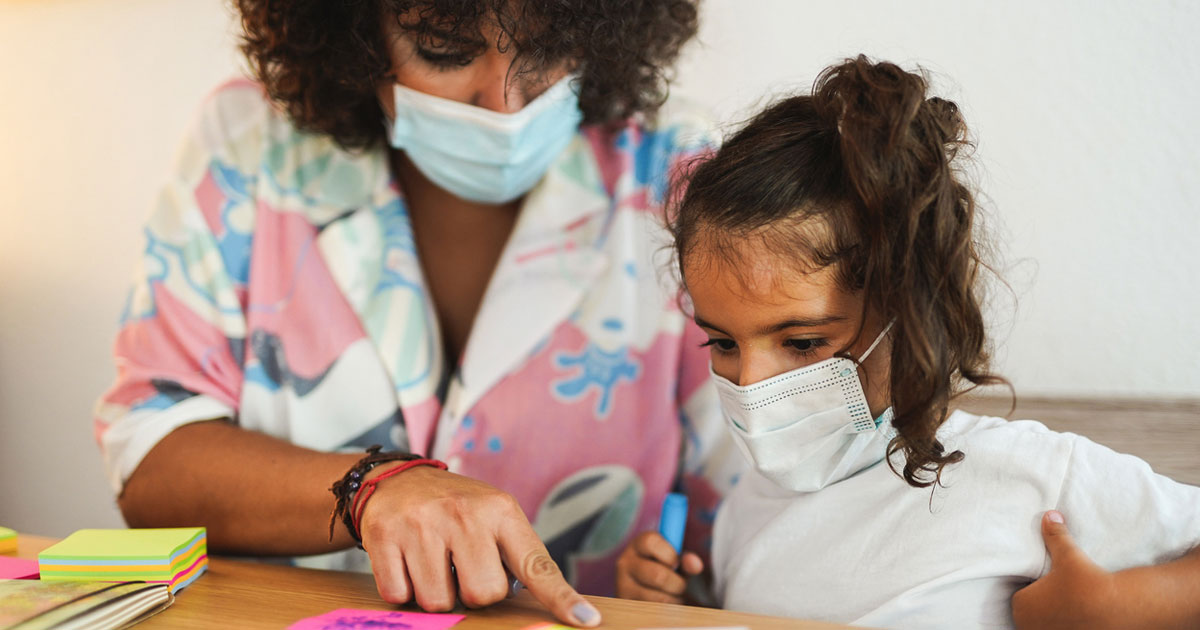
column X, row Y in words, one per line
column 871, row 550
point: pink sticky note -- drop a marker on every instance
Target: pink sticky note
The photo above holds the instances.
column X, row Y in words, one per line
column 353, row 619
column 18, row 568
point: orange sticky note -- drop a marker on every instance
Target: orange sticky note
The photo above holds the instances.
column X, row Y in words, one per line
column 8, row 540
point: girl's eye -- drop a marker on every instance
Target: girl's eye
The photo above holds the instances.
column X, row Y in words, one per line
column 445, row 59
column 805, row 346
column 722, row 345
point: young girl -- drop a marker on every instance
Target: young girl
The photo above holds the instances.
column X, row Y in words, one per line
column 830, row 255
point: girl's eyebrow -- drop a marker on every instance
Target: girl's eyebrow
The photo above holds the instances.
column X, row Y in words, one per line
column 812, row 322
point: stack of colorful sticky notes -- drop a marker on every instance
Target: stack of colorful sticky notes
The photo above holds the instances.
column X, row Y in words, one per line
column 173, row 556
column 8, row 540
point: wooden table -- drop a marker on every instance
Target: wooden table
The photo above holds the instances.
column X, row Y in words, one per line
column 244, row 595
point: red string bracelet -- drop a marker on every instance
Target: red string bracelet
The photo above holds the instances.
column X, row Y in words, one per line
column 368, row 488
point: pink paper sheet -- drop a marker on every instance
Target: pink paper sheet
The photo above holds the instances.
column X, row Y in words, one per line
column 352, row 619
column 18, row 568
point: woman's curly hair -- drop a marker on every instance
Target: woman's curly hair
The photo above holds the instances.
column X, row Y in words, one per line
column 323, row 60
column 861, row 176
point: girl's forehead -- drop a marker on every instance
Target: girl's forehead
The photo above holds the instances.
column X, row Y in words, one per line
column 756, row 274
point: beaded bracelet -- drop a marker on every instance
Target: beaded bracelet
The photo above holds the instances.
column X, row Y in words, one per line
column 368, row 488
column 346, row 490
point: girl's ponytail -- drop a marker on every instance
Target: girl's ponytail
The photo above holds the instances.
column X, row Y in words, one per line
column 917, row 259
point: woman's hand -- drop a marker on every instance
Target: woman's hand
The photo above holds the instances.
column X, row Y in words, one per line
column 646, row 570
column 423, row 521
column 1075, row 593
column 1078, row 593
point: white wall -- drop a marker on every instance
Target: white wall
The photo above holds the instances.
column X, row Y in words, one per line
column 1085, row 115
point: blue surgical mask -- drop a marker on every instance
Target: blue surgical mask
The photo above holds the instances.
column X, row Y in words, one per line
column 479, row 154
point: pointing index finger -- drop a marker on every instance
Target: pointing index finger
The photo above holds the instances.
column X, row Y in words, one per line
column 529, row 561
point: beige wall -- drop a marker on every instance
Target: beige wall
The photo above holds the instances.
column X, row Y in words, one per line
column 1089, row 147
column 94, row 96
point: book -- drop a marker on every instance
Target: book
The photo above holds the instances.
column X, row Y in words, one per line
column 37, row 605
column 172, row 556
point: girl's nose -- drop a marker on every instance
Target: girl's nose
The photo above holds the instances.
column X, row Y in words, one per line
column 758, row 366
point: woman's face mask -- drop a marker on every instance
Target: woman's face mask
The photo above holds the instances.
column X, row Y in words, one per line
column 467, row 119
column 479, row 154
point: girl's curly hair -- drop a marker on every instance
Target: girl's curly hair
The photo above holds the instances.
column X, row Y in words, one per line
column 860, row 175
column 323, row 60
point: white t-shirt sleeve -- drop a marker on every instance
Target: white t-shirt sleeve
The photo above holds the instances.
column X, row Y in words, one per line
column 1122, row 513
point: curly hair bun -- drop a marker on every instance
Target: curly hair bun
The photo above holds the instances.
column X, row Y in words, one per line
column 890, row 133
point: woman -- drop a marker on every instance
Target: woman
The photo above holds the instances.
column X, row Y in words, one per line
column 405, row 236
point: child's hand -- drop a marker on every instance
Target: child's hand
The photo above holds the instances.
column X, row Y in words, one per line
column 1075, row 593
column 646, row 570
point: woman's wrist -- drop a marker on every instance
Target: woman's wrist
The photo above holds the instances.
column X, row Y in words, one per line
column 347, row 487
column 355, row 488
column 358, row 506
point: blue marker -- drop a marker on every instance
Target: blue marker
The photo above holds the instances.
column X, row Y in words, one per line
column 673, row 519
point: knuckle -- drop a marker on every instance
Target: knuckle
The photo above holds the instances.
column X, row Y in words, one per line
column 456, row 520
column 435, row 602
column 539, row 565
column 438, row 508
column 484, row 595
column 393, row 593
column 470, row 598
column 661, row 579
column 504, row 503
column 415, row 517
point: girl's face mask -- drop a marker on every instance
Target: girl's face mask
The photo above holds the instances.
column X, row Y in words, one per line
column 479, row 154
column 810, row 427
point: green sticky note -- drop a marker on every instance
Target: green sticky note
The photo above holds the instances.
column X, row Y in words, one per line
column 131, row 544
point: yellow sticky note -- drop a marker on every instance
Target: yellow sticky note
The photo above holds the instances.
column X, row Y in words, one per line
column 8, row 540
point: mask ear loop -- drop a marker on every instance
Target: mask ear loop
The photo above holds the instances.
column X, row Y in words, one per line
column 887, row 413
column 876, row 342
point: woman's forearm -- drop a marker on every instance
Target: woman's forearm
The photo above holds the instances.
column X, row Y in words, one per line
column 256, row 494
column 1162, row 596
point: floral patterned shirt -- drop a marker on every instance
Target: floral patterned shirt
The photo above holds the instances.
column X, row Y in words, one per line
column 280, row 288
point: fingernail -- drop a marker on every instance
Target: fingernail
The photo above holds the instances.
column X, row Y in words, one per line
column 1055, row 516
column 585, row 614
column 515, row 587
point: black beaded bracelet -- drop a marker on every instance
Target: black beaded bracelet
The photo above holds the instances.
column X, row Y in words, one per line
column 345, row 488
